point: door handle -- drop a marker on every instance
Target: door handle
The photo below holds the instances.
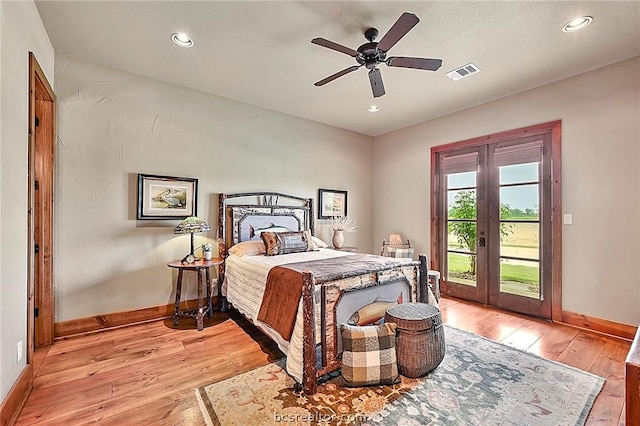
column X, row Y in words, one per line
column 481, row 241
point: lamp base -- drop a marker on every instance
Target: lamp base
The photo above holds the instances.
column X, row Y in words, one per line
column 191, row 257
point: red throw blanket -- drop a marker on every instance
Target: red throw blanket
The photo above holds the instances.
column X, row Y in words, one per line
column 284, row 285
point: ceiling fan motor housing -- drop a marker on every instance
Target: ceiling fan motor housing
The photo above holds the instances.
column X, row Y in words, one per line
column 370, row 56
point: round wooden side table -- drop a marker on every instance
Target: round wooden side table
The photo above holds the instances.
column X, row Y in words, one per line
column 201, row 267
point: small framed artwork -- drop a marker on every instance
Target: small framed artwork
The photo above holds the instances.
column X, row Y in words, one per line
column 331, row 202
column 166, row 197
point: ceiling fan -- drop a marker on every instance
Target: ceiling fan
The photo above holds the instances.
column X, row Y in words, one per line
column 373, row 53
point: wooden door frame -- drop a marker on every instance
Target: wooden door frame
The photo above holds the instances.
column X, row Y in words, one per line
column 552, row 127
column 40, row 224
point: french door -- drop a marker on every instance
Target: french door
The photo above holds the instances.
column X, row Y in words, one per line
column 493, row 207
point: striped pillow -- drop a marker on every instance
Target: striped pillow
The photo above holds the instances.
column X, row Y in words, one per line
column 369, row 355
column 399, row 252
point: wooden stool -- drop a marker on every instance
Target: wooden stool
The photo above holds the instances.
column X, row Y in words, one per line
column 420, row 345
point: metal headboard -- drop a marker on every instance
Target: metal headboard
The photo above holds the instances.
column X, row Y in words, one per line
column 234, row 209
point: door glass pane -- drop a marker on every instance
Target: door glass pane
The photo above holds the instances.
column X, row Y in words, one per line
column 461, row 204
column 461, row 268
column 462, row 237
column 461, row 180
column 519, row 202
column 521, row 240
column 461, row 228
column 518, row 173
column 520, row 277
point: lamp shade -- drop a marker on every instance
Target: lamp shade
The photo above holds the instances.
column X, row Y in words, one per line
column 190, row 225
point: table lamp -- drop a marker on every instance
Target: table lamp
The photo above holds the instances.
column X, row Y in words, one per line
column 191, row 225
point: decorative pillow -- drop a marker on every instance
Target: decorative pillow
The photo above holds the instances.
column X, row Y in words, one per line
column 295, row 242
column 248, row 248
column 271, row 243
column 399, row 252
column 287, row 242
column 369, row 355
column 311, row 244
column 319, row 243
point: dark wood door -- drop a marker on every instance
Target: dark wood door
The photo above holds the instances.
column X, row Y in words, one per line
column 493, row 223
column 519, row 239
column 463, row 229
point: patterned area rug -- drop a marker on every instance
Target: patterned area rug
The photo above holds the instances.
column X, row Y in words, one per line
column 479, row 382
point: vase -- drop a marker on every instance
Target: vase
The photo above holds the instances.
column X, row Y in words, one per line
column 207, row 255
column 338, row 239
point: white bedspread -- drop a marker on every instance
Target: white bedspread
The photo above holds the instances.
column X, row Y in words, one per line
column 244, row 283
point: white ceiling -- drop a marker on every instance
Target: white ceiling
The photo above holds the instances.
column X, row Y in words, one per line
column 260, row 52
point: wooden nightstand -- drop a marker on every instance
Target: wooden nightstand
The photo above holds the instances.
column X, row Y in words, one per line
column 199, row 266
column 347, row 248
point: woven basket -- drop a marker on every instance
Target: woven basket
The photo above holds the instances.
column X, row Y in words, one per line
column 420, row 345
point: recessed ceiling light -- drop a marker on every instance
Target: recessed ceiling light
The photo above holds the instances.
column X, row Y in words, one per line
column 182, row 40
column 577, row 24
column 373, row 108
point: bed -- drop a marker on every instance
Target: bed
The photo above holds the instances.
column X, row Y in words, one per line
column 299, row 299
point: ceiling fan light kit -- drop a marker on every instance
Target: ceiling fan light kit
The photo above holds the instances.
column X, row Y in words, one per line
column 372, row 54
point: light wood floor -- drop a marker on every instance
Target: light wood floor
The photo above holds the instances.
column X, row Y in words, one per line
column 146, row 374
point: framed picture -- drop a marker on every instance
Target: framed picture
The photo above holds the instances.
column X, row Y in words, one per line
column 332, row 202
column 166, row 197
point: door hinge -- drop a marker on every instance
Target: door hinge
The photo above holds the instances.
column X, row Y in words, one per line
column 37, row 185
column 37, row 121
column 36, row 312
column 36, row 248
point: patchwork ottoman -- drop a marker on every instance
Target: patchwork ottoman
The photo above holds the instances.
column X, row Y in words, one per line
column 420, row 345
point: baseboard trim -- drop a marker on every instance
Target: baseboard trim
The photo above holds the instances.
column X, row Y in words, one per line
column 96, row 323
column 13, row 403
column 599, row 325
column 120, row 319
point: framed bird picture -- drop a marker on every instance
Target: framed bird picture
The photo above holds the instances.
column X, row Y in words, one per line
column 166, row 197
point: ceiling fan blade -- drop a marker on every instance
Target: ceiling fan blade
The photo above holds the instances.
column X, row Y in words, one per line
column 336, row 75
column 417, row 63
column 335, row 46
column 375, row 77
column 403, row 25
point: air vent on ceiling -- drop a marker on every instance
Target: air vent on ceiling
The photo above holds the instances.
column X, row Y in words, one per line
column 463, row 71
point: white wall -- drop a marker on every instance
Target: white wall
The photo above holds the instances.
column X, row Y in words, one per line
column 21, row 31
column 600, row 113
column 113, row 125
